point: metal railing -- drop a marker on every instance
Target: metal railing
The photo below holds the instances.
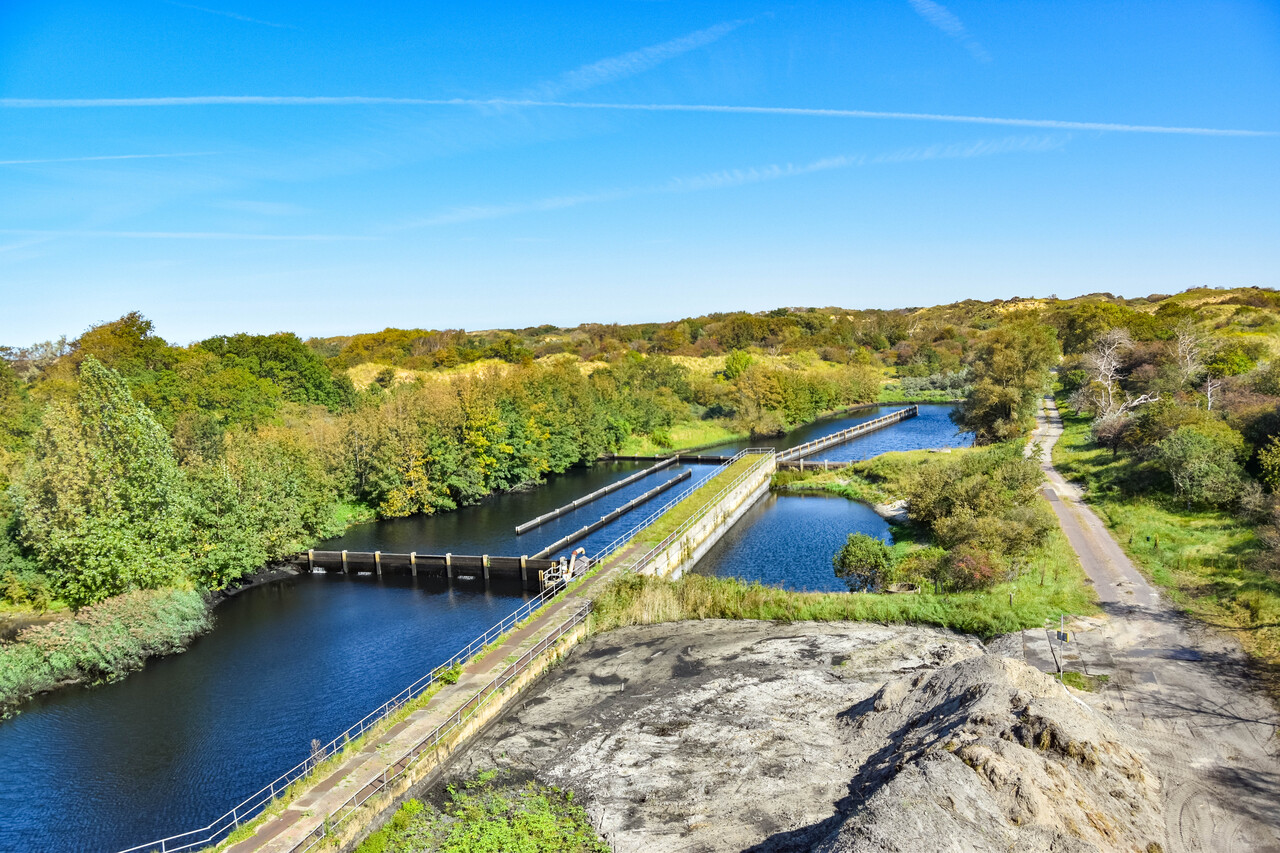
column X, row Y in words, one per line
column 660, row 511
column 766, row 454
column 253, row 805
column 378, row 783
column 802, row 450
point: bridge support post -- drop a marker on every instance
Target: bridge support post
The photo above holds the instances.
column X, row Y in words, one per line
column 413, row 563
column 377, row 562
column 484, row 559
column 311, row 560
column 448, row 566
column 344, row 562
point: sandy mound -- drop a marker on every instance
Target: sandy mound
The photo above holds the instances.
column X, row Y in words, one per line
column 989, row 754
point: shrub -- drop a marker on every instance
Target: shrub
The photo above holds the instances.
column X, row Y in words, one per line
column 1269, row 462
column 1201, row 460
column 970, row 567
column 100, row 643
column 864, row 562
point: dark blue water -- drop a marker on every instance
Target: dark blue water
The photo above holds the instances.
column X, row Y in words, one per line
column 176, row 745
column 789, row 540
column 932, row 428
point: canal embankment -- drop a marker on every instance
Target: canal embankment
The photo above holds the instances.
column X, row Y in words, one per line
column 266, row 674
column 338, row 806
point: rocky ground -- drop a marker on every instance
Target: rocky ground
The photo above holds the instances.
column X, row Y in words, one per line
column 710, row 736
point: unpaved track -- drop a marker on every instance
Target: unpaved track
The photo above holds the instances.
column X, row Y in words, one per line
column 1185, row 692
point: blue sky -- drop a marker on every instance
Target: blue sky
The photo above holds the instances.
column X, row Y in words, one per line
column 328, row 168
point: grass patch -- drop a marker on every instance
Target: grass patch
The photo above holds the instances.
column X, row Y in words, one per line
column 1046, row 585
column 685, row 509
column 1206, row 559
column 880, row 479
column 490, row 815
column 1080, row 681
column 684, row 436
column 100, row 643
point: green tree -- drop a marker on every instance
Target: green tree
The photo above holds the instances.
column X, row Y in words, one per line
column 735, row 363
column 102, row 504
column 1202, row 460
column 1269, row 463
column 864, row 562
column 303, row 377
column 1010, row 372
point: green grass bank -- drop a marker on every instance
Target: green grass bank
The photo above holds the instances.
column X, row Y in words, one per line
column 1207, row 560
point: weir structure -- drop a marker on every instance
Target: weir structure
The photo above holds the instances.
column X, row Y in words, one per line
column 484, row 568
column 333, row 799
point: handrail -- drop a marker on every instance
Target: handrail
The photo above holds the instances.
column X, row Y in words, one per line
column 800, row 450
column 250, row 806
column 254, row 804
column 765, row 455
column 379, row 781
column 659, row 512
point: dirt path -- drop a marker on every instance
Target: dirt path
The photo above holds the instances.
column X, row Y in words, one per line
column 1185, row 692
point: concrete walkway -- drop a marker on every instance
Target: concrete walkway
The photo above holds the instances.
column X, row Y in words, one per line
column 390, row 751
column 1186, row 692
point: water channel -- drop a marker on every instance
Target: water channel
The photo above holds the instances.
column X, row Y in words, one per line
column 174, row 746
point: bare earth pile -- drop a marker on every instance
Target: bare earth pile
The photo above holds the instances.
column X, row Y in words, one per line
column 990, row 754
column 710, row 736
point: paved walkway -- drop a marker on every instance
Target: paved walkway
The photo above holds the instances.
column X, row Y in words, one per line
column 390, row 751
column 1186, row 692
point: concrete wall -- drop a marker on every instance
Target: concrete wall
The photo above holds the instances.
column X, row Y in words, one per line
column 683, row 553
column 427, row 770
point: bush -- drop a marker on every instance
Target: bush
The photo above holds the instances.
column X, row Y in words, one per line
column 988, row 497
column 100, row 643
column 1202, row 461
column 1269, row 462
column 971, row 567
column 864, row 562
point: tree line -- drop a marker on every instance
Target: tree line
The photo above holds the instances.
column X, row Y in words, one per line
column 129, row 463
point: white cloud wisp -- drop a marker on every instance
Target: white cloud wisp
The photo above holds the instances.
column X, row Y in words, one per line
column 741, row 177
column 631, row 63
column 105, row 157
column 524, row 103
column 941, row 17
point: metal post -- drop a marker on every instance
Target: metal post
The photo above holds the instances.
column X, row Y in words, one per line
column 485, row 560
column 377, row 562
column 413, row 562
column 524, row 570
column 311, row 560
column 344, row 562
column 448, row 566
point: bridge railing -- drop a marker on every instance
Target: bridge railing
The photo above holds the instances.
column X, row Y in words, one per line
column 656, row 514
column 801, row 450
column 251, row 806
column 378, row 783
column 254, row 804
column 765, row 455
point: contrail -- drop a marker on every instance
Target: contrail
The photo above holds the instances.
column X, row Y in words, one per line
column 808, row 112
column 183, row 235
column 104, row 157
